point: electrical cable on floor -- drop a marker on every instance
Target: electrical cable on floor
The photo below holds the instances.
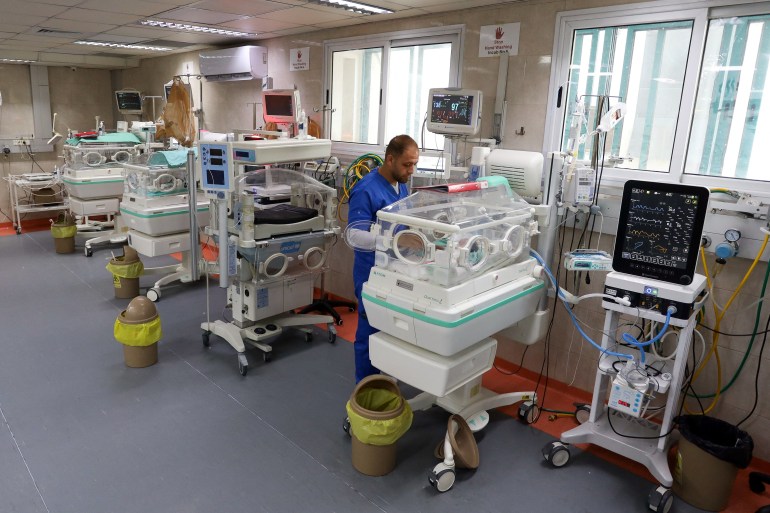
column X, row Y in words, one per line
column 521, row 364
column 756, row 377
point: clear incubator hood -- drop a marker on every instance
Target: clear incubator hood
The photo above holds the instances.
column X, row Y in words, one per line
column 447, row 238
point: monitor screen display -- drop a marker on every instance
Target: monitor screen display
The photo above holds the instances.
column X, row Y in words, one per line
column 452, row 109
column 659, row 230
column 454, row 112
column 129, row 101
column 279, row 105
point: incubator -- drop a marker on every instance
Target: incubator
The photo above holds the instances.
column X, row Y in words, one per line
column 280, row 225
column 154, row 181
column 452, row 268
column 156, row 209
column 93, row 176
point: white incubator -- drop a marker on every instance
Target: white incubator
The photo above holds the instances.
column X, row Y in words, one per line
column 281, row 225
column 156, row 209
column 93, row 176
column 451, row 270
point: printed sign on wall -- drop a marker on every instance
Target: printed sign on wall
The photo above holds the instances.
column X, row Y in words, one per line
column 499, row 39
column 299, row 59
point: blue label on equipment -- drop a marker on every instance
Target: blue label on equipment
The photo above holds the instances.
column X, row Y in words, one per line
column 263, row 299
column 290, row 247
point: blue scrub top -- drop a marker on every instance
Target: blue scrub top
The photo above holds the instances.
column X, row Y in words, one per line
column 372, row 193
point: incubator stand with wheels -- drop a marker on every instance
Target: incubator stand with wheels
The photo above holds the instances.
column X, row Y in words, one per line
column 451, row 270
column 156, row 209
column 93, row 176
column 280, row 229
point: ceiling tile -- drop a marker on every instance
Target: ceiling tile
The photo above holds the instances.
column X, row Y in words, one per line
column 143, row 32
column 22, row 20
column 244, row 8
column 114, row 38
column 24, row 45
column 204, row 39
column 77, row 26
column 299, row 30
column 343, row 23
column 136, row 7
column 192, row 15
column 4, row 35
column 98, row 16
column 73, row 49
column 30, row 8
column 8, row 27
column 35, row 37
column 305, row 16
column 69, row 3
column 260, row 25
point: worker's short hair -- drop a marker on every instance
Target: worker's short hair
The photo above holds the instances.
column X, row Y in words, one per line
column 398, row 145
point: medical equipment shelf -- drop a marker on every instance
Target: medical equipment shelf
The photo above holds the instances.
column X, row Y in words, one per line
column 19, row 182
column 637, row 439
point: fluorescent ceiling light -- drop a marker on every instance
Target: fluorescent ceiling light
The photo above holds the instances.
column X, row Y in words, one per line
column 121, row 45
column 356, row 7
column 20, row 61
column 195, row 28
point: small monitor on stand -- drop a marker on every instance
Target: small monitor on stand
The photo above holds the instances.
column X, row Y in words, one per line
column 129, row 102
column 454, row 112
column 281, row 106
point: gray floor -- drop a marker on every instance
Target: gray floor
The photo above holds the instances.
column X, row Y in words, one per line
column 82, row 433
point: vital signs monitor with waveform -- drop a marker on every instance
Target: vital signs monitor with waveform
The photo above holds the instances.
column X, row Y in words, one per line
column 659, row 230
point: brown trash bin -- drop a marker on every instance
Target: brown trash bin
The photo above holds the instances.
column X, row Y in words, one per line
column 63, row 231
column 125, row 287
column 374, row 459
column 139, row 352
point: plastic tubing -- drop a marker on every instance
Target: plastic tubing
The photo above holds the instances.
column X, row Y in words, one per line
column 629, row 339
column 572, row 315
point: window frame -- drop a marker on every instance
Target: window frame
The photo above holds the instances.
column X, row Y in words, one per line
column 701, row 12
column 454, row 34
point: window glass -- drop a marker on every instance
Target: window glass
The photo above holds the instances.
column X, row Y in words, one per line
column 640, row 65
column 731, row 123
column 412, row 71
column 356, row 95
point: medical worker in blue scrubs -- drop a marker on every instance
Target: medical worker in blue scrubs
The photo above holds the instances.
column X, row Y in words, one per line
column 376, row 190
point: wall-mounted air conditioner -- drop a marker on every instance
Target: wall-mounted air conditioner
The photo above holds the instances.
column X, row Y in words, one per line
column 241, row 63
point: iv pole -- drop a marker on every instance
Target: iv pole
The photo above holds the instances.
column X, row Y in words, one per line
column 323, row 303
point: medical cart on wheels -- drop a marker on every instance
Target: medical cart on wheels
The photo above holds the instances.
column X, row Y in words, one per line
column 617, row 423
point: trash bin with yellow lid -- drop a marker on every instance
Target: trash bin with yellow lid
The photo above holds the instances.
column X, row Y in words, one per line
column 138, row 329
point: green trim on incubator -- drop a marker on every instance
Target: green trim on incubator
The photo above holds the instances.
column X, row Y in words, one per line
column 452, row 324
column 160, row 214
column 100, row 182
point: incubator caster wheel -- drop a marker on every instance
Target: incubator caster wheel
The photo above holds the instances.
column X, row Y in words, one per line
column 308, row 337
column 243, row 364
column 660, row 499
column 339, row 322
column 205, row 336
column 442, row 477
column 351, row 309
column 18, row 230
column 556, row 453
column 89, row 252
column 332, row 337
column 346, row 426
column 267, row 357
column 153, row 294
column 528, row 412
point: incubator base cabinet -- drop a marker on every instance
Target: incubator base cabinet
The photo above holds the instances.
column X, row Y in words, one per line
column 621, row 427
column 451, row 270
